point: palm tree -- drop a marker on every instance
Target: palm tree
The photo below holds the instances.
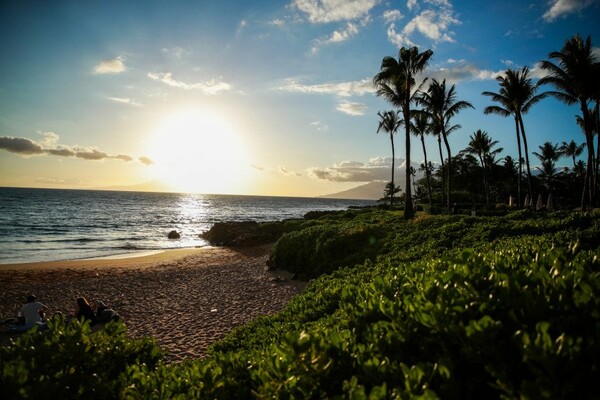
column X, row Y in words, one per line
column 396, row 83
column 389, row 122
column 511, row 173
column 548, row 155
column 573, row 79
column 516, row 96
column 421, row 126
column 481, row 145
column 441, row 105
column 572, row 150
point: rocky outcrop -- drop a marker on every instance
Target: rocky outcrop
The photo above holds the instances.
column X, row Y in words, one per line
column 173, row 235
column 243, row 234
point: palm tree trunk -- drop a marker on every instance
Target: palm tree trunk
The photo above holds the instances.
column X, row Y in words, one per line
column 530, row 188
column 485, row 185
column 409, row 212
column 393, row 167
column 597, row 129
column 448, row 183
column 588, row 184
column 427, row 177
column 443, row 167
column 520, row 163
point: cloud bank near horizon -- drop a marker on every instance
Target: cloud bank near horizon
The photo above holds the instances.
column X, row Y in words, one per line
column 377, row 169
column 25, row 147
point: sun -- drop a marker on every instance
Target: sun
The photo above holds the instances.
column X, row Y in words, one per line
column 199, row 150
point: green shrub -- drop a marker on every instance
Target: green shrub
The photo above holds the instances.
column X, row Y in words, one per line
column 68, row 361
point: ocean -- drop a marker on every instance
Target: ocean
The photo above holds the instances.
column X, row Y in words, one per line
column 52, row 225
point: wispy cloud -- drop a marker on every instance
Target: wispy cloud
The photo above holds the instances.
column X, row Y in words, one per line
column 176, row 52
column 48, row 145
column 433, row 23
column 392, row 15
column 461, row 70
column 352, row 108
column 112, row 66
column 356, row 14
column 562, row 8
column 277, row 22
column 210, row 87
column 376, row 169
column 318, row 125
column 125, row 100
column 287, row 172
column 344, row 89
column 323, row 11
column 146, row 160
column 337, row 36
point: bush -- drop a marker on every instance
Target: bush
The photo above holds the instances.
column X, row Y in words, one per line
column 68, row 361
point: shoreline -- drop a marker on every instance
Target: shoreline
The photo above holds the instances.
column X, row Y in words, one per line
column 170, row 296
column 114, row 261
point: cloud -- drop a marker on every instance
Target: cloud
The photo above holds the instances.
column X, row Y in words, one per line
column 319, row 126
column 341, row 35
column 461, row 71
column 48, row 145
column 176, row 52
column 433, row 23
column 21, row 146
column 376, row 169
column 257, row 167
column 123, row 157
column 113, row 66
column 398, row 39
column 145, row 160
column 324, row 11
column 344, row 89
column 210, row 87
column 277, row 22
column 392, row 15
column 562, row 8
column 125, row 100
column 287, row 172
column 352, row 108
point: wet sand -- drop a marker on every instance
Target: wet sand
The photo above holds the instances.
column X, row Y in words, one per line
column 185, row 299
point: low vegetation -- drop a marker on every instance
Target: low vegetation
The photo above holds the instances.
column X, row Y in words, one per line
column 436, row 307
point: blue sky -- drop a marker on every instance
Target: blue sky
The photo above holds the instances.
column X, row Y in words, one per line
column 251, row 97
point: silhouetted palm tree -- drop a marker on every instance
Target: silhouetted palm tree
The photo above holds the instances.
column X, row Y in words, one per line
column 396, row 83
column 481, row 145
column 572, row 150
column 389, row 122
column 573, row 78
column 548, row 156
column 421, row 126
column 516, row 96
column 441, row 105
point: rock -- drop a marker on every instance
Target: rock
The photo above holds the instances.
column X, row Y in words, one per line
column 242, row 233
column 173, row 235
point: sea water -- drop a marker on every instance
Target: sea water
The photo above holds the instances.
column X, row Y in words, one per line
column 50, row 225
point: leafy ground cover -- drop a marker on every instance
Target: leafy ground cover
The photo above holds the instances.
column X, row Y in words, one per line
column 438, row 307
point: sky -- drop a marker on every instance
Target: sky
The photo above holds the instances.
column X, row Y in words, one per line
column 253, row 97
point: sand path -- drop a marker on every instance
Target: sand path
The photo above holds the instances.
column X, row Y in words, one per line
column 186, row 299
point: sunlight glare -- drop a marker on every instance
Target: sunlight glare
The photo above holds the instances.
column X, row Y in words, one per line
column 199, row 150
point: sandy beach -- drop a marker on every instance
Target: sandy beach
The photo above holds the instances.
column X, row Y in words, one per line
column 185, row 299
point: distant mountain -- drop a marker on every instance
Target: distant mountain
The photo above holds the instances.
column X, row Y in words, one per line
column 151, row 186
column 369, row 191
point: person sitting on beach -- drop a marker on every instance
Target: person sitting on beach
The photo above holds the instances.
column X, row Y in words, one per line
column 33, row 312
column 83, row 311
column 105, row 313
